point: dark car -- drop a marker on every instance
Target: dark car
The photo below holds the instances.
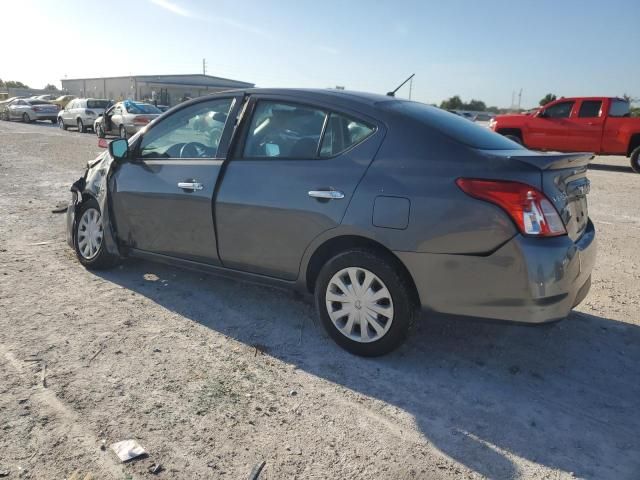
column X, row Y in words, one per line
column 377, row 206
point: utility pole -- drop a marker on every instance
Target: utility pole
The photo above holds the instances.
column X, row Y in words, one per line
column 410, row 87
column 204, row 66
column 519, row 99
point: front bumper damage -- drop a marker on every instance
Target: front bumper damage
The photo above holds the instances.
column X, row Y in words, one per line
column 95, row 183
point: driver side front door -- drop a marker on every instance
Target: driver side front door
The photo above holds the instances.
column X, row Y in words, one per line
column 162, row 198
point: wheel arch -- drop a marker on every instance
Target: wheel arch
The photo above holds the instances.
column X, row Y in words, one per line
column 634, row 142
column 511, row 131
column 341, row 243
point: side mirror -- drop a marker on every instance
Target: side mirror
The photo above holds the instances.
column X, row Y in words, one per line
column 119, row 149
column 541, row 114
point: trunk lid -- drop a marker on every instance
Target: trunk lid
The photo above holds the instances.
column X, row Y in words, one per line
column 564, row 181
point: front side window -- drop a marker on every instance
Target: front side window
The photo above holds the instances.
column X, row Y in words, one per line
column 342, row 133
column 619, row 108
column 590, row 108
column 192, row 132
column 97, row 103
column 284, row 130
column 559, row 110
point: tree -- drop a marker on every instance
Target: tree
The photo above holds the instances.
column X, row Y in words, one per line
column 51, row 87
column 15, row 84
column 549, row 97
column 453, row 103
column 475, row 105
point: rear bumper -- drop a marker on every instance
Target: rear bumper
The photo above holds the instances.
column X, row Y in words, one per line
column 46, row 116
column 526, row 280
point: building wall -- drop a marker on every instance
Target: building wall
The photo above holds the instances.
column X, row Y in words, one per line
column 168, row 89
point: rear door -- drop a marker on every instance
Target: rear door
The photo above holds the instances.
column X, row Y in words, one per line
column 549, row 129
column 291, row 178
column 585, row 126
column 162, row 199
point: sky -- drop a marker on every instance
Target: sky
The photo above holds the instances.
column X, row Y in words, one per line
column 485, row 49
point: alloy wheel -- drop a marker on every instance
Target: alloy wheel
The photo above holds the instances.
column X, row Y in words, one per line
column 359, row 304
column 90, row 233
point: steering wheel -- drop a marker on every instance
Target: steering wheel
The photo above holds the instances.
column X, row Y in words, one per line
column 193, row 150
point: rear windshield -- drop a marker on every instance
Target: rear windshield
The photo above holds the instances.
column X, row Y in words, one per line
column 98, row 103
column 454, row 126
column 137, row 108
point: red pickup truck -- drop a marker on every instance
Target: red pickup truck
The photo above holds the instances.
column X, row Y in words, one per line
column 601, row 125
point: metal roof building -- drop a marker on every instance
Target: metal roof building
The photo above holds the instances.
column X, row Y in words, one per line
column 165, row 89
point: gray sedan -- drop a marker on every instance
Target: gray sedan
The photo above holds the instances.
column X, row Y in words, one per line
column 376, row 206
column 125, row 118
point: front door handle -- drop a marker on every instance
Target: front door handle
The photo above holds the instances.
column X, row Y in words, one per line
column 326, row 194
column 190, row 185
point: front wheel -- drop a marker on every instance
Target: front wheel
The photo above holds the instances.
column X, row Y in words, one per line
column 123, row 132
column 99, row 130
column 61, row 124
column 365, row 302
column 89, row 238
column 635, row 160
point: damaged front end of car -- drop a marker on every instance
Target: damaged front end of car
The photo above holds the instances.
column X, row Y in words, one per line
column 95, row 183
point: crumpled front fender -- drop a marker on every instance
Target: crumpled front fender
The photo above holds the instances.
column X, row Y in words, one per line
column 96, row 184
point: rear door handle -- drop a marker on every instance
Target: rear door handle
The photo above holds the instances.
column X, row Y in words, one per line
column 190, row 185
column 326, row 194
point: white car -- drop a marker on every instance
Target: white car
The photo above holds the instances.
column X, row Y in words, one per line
column 81, row 113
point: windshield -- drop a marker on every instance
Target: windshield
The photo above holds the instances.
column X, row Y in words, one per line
column 454, row 126
column 98, row 103
column 137, row 108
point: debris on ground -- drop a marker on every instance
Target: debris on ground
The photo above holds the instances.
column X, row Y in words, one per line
column 155, row 468
column 127, row 450
column 4, row 473
column 255, row 473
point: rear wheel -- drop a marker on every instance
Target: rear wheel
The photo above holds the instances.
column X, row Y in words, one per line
column 123, row 132
column 635, row 160
column 364, row 302
column 81, row 127
column 26, row 118
column 53, row 122
column 89, row 238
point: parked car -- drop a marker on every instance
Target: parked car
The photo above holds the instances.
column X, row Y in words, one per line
column 590, row 124
column 125, row 118
column 82, row 113
column 63, row 100
column 4, row 107
column 376, row 206
column 29, row 110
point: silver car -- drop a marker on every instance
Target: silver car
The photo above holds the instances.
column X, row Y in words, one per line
column 373, row 205
column 29, row 110
column 82, row 113
column 125, row 119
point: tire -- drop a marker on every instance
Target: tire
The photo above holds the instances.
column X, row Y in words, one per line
column 81, row 127
column 26, row 118
column 61, row 124
column 400, row 310
column 515, row 138
column 99, row 131
column 84, row 237
column 634, row 158
column 123, row 132
column 53, row 122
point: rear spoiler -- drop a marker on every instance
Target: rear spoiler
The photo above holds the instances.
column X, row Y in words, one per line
column 554, row 161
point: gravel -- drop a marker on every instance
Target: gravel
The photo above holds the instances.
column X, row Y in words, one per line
column 213, row 376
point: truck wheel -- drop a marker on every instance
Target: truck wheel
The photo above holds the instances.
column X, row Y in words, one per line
column 364, row 302
column 635, row 160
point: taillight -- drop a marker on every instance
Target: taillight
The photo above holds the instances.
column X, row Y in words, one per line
column 529, row 208
column 35, row 109
column 141, row 120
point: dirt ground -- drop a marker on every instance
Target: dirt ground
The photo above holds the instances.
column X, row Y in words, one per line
column 213, row 376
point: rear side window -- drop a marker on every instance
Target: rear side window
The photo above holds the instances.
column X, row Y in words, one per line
column 453, row 126
column 284, row 130
column 559, row 110
column 619, row 108
column 97, row 103
column 590, row 108
column 342, row 133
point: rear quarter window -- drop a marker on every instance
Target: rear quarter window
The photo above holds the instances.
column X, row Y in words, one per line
column 454, row 126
